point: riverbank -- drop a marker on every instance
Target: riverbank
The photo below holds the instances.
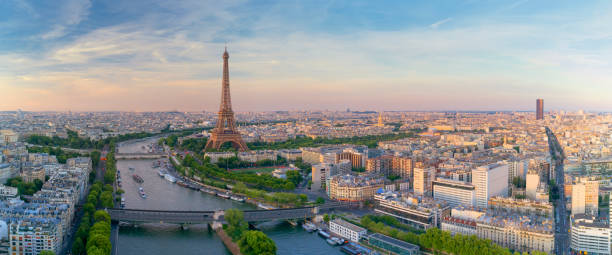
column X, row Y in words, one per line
column 227, row 241
column 154, row 239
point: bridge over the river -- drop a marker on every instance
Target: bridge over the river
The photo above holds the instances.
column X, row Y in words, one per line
column 197, row 217
column 140, row 155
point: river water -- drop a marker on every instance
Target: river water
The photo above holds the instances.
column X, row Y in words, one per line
column 170, row 239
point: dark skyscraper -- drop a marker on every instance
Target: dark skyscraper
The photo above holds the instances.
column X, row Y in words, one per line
column 540, row 109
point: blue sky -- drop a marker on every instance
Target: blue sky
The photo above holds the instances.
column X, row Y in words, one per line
column 378, row 55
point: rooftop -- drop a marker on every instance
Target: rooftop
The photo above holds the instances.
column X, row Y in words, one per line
column 394, row 241
column 348, row 225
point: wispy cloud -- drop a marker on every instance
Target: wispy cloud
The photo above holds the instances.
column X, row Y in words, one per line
column 174, row 50
column 72, row 12
column 439, row 23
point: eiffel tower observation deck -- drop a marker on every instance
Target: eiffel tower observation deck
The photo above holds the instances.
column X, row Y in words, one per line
column 225, row 130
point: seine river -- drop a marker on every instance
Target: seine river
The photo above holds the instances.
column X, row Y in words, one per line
column 170, row 239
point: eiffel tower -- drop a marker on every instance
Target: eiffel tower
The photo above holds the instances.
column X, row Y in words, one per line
column 225, row 131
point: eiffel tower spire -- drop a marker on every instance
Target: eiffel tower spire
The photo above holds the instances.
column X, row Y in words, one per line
column 225, row 130
column 226, row 99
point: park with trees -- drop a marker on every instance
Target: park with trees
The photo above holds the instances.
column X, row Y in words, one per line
column 251, row 242
column 93, row 233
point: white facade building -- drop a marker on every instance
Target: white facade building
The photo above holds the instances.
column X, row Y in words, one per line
column 578, row 191
column 347, row 230
column 423, row 177
column 490, row 180
column 590, row 236
column 455, row 193
column 532, row 182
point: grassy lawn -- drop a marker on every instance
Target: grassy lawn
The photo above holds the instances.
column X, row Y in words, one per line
column 268, row 169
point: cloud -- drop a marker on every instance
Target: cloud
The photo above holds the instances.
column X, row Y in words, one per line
column 173, row 61
column 71, row 12
column 439, row 23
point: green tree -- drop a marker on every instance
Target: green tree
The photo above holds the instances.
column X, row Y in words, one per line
column 95, row 158
column 103, row 216
column 89, row 208
column 294, row 176
column 235, row 223
column 326, row 218
column 320, row 200
column 95, row 250
column 100, row 241
column 256, row 243
column 106, row 199
column 99, row 228
column 78, row 247
column 46, row 252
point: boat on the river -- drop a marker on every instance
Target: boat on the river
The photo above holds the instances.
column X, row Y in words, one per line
column 335, row 240
column 237, row 198
column 264, row 206
column 323, row 234
column 223, row 195
column 209, row 191
column 169, row 178
column 309, row 227
column 181, row 183
column 161, row 173
column 137, row 178
column 349, row 249
column 330, row 241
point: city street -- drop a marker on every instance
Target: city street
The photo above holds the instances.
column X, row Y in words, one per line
column 562, row 235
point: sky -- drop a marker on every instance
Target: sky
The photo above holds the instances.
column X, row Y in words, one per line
column 159, row 55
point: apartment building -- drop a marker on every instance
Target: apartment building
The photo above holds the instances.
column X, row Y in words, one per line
column 347, row 230
column 455, row 193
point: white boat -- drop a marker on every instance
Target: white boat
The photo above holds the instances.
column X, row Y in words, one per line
column 341, row 241
column 330, row 241
column 223, row 195
column 309, row 227
column 161, row 173
column 170, row 178
column 335, row 240
column 237, row 198
column 323, row 234
column 267, row 207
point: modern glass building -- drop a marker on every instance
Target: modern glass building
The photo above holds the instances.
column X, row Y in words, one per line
column 393, row 245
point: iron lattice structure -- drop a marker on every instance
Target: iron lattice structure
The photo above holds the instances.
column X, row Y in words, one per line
column 225, row 131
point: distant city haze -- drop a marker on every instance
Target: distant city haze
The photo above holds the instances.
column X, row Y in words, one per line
column 84, row 55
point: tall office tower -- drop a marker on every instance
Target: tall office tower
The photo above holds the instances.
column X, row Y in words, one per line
column 423, row 177
column 578, row 192
column 320, row 174
column 226, row 131
column 533, row 180
column 585, row 197
column 591, row 197
column 540, row 109
column 489, row 181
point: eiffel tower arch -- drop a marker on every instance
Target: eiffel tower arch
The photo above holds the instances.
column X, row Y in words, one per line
column 225, row 130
